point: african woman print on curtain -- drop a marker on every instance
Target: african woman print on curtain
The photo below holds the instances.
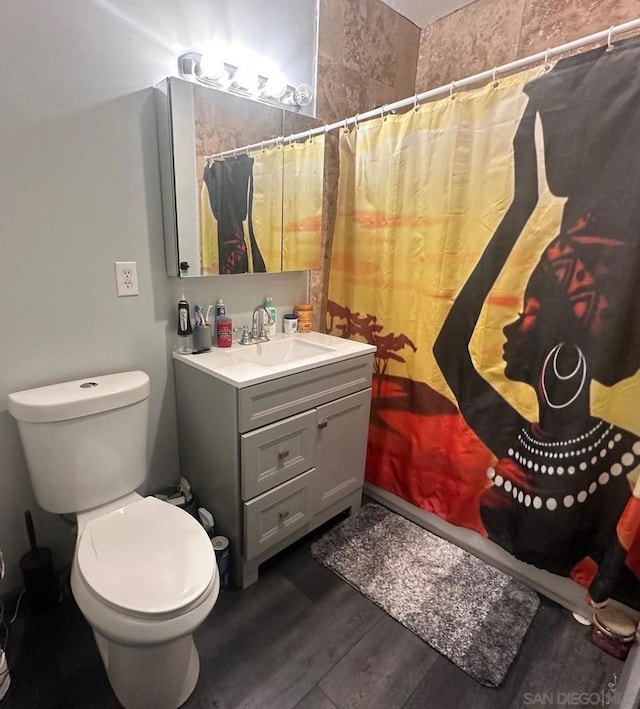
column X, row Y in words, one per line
column 509, row 407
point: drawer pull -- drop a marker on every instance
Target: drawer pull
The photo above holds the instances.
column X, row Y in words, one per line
column 283, row 515
column 283, row 454
column 324, row 424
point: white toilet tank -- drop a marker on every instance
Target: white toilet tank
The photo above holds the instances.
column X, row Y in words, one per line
column 85, row 441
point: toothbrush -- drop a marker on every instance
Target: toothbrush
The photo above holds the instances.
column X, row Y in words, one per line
column 206, row 317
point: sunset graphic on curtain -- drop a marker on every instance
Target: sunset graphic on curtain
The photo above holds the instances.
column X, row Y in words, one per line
column 487, row 243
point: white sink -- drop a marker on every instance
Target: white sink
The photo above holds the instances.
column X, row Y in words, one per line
column 275, row 352
column 246, row 365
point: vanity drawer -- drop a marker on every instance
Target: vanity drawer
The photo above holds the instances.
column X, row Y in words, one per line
column 276, row 514
column 271, row 401
column 276, row 453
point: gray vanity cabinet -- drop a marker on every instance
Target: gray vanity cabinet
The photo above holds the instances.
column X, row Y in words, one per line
column 274, row 460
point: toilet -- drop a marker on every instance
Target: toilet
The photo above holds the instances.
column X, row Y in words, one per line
column 143, row 573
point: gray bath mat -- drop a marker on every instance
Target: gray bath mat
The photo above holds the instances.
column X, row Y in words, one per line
column 470, row 612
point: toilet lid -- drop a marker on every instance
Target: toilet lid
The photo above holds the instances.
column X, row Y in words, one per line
column 147, row 558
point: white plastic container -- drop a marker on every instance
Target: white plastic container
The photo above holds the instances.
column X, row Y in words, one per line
column 290, row 324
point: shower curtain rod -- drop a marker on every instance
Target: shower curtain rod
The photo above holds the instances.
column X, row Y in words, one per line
column 440, row 90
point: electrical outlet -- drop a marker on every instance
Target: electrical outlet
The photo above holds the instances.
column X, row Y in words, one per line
column 126, row 278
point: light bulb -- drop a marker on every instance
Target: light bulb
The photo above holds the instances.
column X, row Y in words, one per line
column 211, row 65
column 302, row 95
column 276, row 85
column 246, row 78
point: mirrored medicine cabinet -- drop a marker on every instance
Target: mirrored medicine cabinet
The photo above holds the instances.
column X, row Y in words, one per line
column 245, row 212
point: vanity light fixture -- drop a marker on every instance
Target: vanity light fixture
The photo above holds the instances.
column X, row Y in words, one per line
column 243, row 79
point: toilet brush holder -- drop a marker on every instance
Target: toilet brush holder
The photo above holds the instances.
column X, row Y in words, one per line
column 40, row 580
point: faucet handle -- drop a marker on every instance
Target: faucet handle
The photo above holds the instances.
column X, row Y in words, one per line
column 245, row 339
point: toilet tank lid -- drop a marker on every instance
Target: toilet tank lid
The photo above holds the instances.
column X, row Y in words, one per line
column 82, row 397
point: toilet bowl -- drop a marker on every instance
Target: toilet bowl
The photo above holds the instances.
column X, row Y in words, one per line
column 144, row 577
column 144, row 573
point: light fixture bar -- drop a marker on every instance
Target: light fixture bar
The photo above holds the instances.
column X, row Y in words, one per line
column 190, row 68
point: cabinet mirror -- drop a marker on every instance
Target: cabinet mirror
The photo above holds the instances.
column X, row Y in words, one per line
column 228, row 209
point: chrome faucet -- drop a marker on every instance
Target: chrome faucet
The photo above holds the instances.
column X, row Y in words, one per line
column 258, row 329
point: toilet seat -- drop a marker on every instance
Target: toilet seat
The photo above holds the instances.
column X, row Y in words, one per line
column 147, row 558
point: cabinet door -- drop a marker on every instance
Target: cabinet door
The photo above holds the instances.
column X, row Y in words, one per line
column 341, row 447
column 276, row 453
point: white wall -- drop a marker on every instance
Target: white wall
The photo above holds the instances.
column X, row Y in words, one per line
column 79, row 189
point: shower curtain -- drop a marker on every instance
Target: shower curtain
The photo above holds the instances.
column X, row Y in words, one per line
column 487, row 243
column 241, row 214
column 263, row 212
column 302, row 204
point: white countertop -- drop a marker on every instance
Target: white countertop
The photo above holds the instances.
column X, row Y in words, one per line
column 228, row 363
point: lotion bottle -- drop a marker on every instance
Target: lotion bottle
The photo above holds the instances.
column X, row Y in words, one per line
column 270, row 327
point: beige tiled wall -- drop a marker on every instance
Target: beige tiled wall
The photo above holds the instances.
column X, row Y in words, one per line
column 487, row 33
column 367, row 56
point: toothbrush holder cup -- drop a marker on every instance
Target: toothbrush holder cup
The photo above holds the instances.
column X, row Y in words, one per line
column 202, row 338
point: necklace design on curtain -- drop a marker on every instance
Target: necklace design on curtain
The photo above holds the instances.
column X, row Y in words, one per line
column 600, row 459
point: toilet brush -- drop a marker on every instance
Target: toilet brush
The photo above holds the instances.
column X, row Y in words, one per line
column 40, row 583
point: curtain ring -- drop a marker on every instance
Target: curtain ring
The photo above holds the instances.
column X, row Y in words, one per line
column 610, row 46
column 326, row 128
column 355, row 121
column 547, row 65
column 495, row 76
column 310, row 136
column 346, row 125
column 383, row 110
column 415, row 102
column 452, row 90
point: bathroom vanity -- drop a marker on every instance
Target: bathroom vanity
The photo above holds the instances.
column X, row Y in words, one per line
column 273, row 438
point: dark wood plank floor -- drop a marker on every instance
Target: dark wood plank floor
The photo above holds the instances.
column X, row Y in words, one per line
column 302, row 638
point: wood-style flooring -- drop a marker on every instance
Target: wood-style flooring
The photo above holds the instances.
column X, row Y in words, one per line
column 302, row 638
